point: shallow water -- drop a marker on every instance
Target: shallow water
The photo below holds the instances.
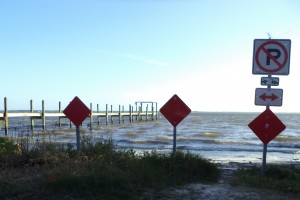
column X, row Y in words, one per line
column 222, row 137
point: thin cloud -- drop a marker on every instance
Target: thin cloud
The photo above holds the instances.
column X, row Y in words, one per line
column 133, row 57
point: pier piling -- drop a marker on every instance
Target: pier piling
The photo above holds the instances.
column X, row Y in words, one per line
column 108, row 115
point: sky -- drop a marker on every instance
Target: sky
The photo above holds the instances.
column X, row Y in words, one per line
column 118, row 52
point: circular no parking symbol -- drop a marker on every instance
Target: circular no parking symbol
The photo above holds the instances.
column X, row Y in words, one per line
column 271, row 57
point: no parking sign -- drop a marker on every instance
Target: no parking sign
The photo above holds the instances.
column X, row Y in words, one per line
column 271, row 56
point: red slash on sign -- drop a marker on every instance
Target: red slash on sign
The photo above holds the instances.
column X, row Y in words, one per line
column 271, row 56
column 265, row 97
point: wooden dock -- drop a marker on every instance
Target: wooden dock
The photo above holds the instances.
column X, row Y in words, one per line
column 132, row 114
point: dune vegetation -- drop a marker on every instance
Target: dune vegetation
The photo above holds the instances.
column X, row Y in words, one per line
column 280, row 178
column 43, row 169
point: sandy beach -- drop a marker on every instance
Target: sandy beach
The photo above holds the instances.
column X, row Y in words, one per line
column 221, row 190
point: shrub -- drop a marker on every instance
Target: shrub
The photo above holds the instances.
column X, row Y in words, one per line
column 7, row 146
column 284, row 178
column 123, row 174
column 99, row 171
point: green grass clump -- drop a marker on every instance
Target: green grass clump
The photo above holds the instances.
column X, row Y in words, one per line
column 124, row 174
column 283, row 178
column 97, row 170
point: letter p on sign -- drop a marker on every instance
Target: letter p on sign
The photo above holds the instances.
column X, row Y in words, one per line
column 271, row 57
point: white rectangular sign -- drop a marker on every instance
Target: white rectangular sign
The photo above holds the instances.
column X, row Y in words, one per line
column 268, row 97
column 269, row 81
column 271, row 56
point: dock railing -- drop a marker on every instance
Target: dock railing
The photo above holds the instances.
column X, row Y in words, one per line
column 139, row 114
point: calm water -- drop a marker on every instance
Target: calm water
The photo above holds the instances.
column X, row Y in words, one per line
column 221, row 137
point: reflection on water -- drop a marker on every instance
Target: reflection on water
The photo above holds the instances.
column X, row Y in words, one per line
column 210, row 135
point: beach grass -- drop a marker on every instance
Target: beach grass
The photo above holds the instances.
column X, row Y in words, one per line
column 278, row 177
column 43, row 169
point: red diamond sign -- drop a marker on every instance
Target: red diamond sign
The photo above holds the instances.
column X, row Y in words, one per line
column 77, row 111
column 266, row 126
column 175, row 110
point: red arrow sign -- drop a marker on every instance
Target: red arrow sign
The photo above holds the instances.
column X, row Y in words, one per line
column 268, row 97
column 265, row 96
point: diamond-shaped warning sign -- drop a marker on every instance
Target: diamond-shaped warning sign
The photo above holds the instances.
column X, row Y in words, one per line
column 175, row 110
column 77, row 111
column 267, row 126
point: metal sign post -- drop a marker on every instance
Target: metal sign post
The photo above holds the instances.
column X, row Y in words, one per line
column 174, row 140
column 266, row 126
column 77, row 111
column 175, row 110
column 78, row 137
column 264, row 160
column 271, row 57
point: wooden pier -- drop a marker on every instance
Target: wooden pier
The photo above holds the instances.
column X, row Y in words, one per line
column 138, row 114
